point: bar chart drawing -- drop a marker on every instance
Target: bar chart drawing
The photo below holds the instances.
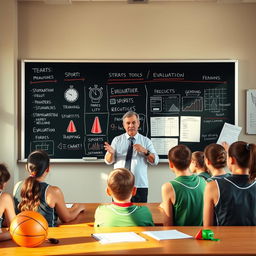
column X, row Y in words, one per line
column 215, row 99
column 192, row 104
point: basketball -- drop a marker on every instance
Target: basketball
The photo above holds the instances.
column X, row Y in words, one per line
column 29, row 229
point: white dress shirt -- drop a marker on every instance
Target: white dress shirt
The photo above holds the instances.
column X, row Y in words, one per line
column 139, row 162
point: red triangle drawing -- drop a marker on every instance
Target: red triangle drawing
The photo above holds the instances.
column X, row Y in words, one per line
column 71, row 127
column 96, row 126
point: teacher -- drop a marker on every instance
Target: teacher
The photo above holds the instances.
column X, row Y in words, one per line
column 133, row 151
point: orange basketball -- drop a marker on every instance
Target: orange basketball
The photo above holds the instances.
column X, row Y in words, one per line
column 29, row 229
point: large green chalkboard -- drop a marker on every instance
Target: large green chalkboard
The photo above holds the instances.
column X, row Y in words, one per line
column 70, row 108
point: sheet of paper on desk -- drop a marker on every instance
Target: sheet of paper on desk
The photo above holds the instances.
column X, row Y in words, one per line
column 69, row 205
column 118, row 237
column 166, row 234
column 229, row 133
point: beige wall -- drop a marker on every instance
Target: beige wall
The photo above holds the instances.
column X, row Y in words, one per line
column 120, row 31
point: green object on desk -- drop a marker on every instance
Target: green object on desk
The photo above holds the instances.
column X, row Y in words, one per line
column 208, row 234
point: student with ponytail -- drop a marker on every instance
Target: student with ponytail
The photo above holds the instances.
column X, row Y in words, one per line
column 215, row 157
column 233, row 199
column 33, row 194
column 197, row 165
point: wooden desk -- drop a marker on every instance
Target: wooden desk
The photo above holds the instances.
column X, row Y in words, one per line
column 88, row 214
column 77, row 240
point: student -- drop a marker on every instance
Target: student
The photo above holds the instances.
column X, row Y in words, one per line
column 6, row 202
column 198, row 166
column 122, row 212
column 34, row 194
column 183, row 196
column 233, row 199
column 216, row 161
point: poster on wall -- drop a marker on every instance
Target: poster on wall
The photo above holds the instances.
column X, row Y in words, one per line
column 251, row 111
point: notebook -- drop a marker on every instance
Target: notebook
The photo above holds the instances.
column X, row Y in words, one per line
column 118, row 237
column 166, row 234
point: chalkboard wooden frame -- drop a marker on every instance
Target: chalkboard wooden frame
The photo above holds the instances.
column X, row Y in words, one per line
column 164, row 76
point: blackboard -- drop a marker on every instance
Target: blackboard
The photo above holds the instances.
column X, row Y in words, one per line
column 70, row 108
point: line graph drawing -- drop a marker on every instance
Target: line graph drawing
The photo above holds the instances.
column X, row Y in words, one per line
column 194, row 104
column 215, row 99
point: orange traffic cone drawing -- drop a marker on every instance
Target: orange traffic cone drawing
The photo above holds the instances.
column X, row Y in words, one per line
column 71, row 127
column 96, row 126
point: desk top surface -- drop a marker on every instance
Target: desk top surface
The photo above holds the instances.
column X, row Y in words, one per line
column 76, row 240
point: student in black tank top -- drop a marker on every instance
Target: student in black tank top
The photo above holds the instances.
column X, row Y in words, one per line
column 233, row 199
column 34, row 194
column 215, row 157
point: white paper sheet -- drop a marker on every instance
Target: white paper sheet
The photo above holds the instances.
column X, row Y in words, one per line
column 251, row 111
column 229, row 133
column 190, row 128
column 164, row 126
column 119, row 237
column 166, row 234
column 163, row 145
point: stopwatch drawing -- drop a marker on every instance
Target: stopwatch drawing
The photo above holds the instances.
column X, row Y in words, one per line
column 95, row 93
column 71, row 94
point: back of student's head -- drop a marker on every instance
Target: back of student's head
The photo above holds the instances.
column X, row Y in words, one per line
column 121, row 182
column 198, row 158
column 4, row 175
column 245, row 156
column 217, row 155
column 37, row 163
column 180, row 156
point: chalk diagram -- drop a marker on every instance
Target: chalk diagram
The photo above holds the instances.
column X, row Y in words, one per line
column 165, row 104
column 215, row 99
column 95, row 93
column 192, row 104
column 171, row 103
column 71, row 94
column 46, row 145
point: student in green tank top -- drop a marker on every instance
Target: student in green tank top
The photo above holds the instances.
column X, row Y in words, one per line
column 183, row 196
column 122, row 212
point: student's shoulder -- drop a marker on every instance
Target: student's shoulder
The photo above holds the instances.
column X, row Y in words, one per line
column 144, row 208
column 6, row 197
column 54, row 190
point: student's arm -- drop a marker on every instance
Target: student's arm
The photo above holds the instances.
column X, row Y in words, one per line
column 210, row 198
column 167, row 203
column 55, row 198
column 5, row 236
column 9, row 213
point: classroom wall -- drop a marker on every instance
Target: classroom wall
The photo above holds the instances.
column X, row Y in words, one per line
column 117, row 30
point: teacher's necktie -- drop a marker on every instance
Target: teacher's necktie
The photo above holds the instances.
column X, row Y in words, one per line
column 128, row 159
